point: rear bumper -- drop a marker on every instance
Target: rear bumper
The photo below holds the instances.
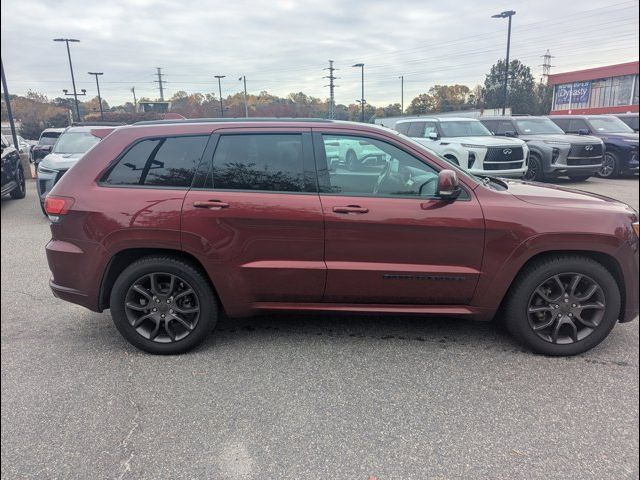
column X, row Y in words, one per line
column 77, row 270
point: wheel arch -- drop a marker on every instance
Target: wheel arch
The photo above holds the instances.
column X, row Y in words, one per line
column 126, row 257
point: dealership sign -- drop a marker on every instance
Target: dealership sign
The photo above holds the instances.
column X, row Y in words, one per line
column 573, row 93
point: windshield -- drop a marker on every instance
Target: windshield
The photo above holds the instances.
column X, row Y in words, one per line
column 75, row 142
column 49, row 138
column 609, row 125
column 464, row 128
column 537, row 126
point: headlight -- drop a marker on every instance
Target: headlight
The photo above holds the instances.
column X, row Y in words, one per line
column 469, row 145
column 558, row 143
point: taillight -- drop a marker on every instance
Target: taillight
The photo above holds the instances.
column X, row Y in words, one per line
column 57, row 206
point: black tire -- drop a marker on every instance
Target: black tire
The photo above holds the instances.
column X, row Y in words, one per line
column 351, row 160
column 610, row 166
column 202, row 291
column 518, row 305
column 535, row 170
column 21, row 188
column 579, row 178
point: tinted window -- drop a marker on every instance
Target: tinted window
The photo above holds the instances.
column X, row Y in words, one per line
column 164, row 162
column 563, row 123
column 403, row 127
column 416, row 130
column 499, row 127
column 271, row 162
column 381, row 169
column 577, row 124
column 48, row 138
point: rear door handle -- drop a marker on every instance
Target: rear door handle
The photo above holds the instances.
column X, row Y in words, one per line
column 351, row 209
column 210, row 204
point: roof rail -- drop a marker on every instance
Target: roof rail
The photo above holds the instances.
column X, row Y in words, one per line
column 233, row 120
column 97, row 124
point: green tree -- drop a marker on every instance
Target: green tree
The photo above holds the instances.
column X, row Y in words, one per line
column 423, row 103
column 521, row 94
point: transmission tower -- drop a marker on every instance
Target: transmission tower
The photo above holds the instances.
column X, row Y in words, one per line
column 160, row 82
column 332, row 103
column 546, row 66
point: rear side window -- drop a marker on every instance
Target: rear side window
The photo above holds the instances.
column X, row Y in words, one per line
column 403, row 127
column 162, row 162
column 577, row 124
column 266, row 162
column 416, row 130
column 563, row 123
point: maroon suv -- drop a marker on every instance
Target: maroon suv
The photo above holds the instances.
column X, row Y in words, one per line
column 168, row 223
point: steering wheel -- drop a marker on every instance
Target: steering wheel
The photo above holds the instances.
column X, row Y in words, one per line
column 384, row 174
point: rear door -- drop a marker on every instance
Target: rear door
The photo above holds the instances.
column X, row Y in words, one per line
column 254, row 218
column 388, row 238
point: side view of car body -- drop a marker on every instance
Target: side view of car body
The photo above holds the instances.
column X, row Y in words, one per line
column 166, row 223
column 45, row 143
column 621, row 142
column 466, row 142
column 552, row 153
column 70, row 146
column 13, row 180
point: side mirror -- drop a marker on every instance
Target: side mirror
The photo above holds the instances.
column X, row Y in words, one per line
column 511, row 134
column 448, row 185
column 583, row 131
column 433, row 136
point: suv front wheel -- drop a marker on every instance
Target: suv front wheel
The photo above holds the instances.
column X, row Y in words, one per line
column 163, row 305
column 563, row 305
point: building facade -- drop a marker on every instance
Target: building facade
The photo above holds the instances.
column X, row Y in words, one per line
column 611, row 89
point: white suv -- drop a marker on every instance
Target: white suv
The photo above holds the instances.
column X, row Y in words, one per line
column 469, row 144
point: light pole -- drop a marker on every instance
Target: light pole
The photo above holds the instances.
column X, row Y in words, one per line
column 401, row 77
column 220, row 77
column 73, row 80
column 362, row 102
column 97, row 74
column 506, row 14
column 246, row 107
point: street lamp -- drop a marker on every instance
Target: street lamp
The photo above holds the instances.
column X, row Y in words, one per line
column 246, row 107
column 220, row 77
column 97, row 74
column 362, row 101
column 506, row 14
column 73, row 80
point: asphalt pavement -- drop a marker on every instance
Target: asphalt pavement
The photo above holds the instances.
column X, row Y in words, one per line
column 301, row 396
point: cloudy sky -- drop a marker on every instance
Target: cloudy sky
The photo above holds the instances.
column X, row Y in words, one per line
column 282, row 46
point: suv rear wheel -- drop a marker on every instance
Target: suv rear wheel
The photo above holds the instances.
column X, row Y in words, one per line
column 610, row 166
column 563, row 305
column 163, row 305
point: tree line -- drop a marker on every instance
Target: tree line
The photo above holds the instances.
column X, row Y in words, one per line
column 525, row 96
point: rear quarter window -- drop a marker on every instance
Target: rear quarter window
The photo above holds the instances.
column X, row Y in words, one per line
column 161, row 162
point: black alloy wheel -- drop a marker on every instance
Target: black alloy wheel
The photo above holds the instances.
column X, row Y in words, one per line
column 534, row 171
column 609, row 167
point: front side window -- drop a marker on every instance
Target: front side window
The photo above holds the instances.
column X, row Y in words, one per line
column 609, row 125
column 577, row 124
column 464, row 128
column 162, row 162
column 75, row 142
column 264, row 162
column 403, row 127
column 381, row 169
column 416, row 130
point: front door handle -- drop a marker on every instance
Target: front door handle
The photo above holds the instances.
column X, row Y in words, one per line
column 210, row 204
column 351, row 209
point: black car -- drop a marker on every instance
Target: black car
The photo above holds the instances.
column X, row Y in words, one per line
column 12, row 173
column 620, row 141
column 45, row 143
column 630, row 119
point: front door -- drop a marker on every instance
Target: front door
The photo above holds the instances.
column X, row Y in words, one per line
column 388, row 238
column 255, row 221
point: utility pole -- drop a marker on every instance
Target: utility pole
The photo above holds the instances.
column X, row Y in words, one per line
column 362, row 101
column 332, row 100
column 546, row 66
column 73, row 80
column 220, row 77
column 135, row 100
column 506, row 14
column 246, row 107
column 7, row 100
column 401, row 77
column 97, row 74
column 160, row 82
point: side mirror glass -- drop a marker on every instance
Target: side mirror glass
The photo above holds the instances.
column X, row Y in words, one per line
column 448, row 185
column 510, row 133
column 433, row 136
column 583, row 131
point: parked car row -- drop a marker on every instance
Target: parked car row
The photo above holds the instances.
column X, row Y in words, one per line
column 534, row 148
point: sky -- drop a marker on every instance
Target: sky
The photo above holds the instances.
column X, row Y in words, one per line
column 283, row 46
